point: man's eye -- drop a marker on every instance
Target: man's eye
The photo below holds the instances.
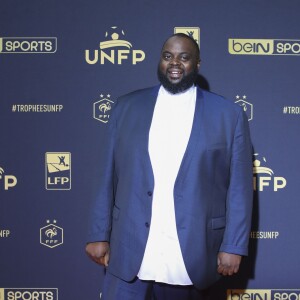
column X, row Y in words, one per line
column 185, row 57
column 167, row 56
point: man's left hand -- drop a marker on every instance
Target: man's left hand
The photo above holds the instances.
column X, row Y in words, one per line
column 228, row 264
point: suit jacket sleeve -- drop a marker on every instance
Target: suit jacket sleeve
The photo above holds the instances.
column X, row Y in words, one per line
column 101, row 209
column 240, row 192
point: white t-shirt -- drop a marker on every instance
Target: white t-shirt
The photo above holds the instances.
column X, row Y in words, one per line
column 168, row 138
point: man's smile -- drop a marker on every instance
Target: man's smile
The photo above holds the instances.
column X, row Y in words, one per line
column 174, row 73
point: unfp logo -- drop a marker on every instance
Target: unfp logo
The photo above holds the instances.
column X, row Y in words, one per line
column 102, row 108
column 114, row 49
column 58, row 170
column 246, row 105
column 263, row 176
column 28, row 45
column 51, row 235
column 4, row 233
column 263, row 47
column 193, row 32
column 9, row 181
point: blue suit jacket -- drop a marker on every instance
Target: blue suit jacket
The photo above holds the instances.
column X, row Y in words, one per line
column 212, row 192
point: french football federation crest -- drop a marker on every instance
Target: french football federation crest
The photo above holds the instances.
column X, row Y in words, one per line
column 102, row 108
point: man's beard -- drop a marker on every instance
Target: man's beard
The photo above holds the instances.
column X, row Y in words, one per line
column 186, row 82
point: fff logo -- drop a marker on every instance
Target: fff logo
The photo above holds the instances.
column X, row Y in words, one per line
column 9, row 180
column 51, row 235
column 102, row 108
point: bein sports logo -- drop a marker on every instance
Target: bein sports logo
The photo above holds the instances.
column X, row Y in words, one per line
column 102, row 108
column 9, row 181
column 114, row 49
column 262, row 294
column 260, row 181
column 28, row 293
column 58, row 170
column 31, row 45
column 249, row 294
column 51, row 235
column 263, row 47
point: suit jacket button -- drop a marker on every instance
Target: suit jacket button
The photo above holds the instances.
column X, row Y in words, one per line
column 149, row 193
column 147, row 224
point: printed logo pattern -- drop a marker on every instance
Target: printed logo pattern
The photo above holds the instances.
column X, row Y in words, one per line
column 193, row 32
column 247, row 106
column 263, row 47
column 51, row 235
column 260, row 182
column 102, row 108
column 9, row 181
column 27, row 45
column 28, row 294
column 58, row 170
column 120, row 50
column 262, row 294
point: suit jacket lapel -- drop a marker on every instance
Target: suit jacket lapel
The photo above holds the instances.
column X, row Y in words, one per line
column 197, row 134
column 148, row 108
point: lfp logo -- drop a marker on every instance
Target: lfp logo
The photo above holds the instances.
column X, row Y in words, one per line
column 58, row 170
column 193, row 32
column 114, row 49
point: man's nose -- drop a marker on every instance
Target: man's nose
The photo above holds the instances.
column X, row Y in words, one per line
column 175, row 61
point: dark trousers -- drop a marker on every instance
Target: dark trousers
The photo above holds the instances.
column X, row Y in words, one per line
column 116, row 289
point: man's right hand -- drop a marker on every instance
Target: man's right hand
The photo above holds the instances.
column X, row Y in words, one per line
column 98, row 252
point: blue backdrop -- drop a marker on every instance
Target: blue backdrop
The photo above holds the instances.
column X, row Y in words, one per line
column 62, row 66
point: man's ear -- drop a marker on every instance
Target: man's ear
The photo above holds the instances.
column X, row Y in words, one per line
column 198, row 64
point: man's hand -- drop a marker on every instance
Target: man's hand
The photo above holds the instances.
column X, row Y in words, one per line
column 98, row 252
column 228, row 264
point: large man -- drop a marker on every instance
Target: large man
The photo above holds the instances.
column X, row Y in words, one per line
column 175, row 197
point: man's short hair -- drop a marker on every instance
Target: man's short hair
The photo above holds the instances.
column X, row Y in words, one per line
column 183, row 35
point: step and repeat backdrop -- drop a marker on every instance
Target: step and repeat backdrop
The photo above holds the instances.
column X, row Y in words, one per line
column 62, row 66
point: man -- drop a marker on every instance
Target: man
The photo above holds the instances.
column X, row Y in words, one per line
column 175, row 197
